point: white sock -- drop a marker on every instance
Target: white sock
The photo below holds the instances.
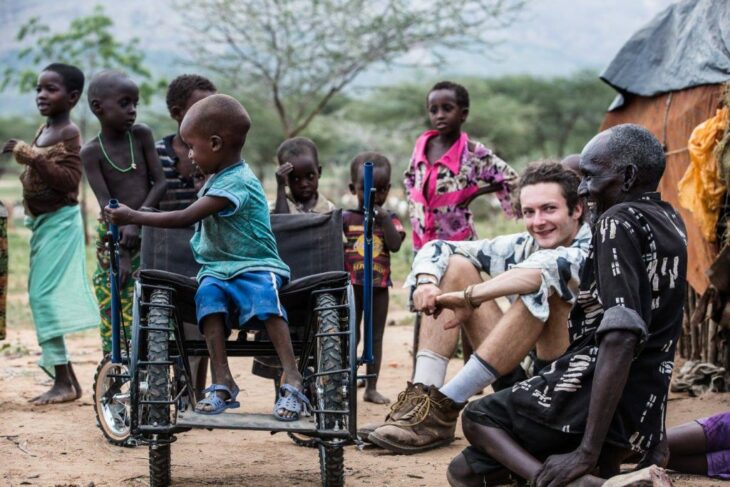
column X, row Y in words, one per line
column 475, row 376
column 430, row 368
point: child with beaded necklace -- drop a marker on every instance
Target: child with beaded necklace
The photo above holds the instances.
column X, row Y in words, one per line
column 121, row 162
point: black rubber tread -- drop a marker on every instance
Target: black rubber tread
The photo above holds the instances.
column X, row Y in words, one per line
column 332, row 465
column 117, row 440
column 330, row 357
column 303, row 440
column 158, row 382
column 159, row 459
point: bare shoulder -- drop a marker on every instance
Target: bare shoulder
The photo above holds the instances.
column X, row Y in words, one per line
column 142, row 131
column 70, row 132
column 90, row 150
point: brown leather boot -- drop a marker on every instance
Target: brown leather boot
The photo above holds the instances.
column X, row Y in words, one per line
column 401, row 406
column 430, row 423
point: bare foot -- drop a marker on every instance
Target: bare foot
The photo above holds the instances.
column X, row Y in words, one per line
column 74, row 381
column 56, row 394
column 658, row 455
column 372, row 395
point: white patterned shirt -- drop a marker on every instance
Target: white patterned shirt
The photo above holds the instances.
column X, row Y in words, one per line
column 560, row 267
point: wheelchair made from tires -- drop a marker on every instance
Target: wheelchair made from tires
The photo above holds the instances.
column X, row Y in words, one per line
column 145, row 394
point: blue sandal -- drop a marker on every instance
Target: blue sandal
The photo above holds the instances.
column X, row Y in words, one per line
column 293, row 400
column 219, row 405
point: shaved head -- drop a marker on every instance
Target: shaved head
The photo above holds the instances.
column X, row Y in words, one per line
column 107, row 83
column 628, row 145
column 572, row 163
column 220, row 115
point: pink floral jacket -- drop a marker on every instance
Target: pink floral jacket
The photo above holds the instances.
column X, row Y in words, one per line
column 438, row 213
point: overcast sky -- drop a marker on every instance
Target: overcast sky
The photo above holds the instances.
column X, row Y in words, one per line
column 551, row 38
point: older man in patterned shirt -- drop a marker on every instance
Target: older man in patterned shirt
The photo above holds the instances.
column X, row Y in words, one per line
column 538, row 269
column 607, row 395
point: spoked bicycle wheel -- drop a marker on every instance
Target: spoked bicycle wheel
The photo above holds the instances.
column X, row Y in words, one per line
column 112, row 402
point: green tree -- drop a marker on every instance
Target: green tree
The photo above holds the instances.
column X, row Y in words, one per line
column 521, row 118
column 88, row 44
column 302, row 53
column 567, row 111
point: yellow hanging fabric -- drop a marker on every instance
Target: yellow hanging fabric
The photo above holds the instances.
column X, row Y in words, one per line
column 702, row 187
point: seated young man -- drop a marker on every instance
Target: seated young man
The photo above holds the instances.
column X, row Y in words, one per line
column 607, row 395
column 241, row 272
column 538, row 269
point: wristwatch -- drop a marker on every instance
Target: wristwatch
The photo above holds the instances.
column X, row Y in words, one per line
column 427, row 280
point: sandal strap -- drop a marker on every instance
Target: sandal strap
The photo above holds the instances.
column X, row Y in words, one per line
column 232, row 394
column 294, row 401
column 214, row 401
column 293, row 391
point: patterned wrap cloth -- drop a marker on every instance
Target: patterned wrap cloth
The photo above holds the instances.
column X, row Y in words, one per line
column 103, row 291
column 60, row 297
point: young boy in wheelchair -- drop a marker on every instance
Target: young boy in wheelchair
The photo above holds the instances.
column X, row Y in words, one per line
column 241, row 270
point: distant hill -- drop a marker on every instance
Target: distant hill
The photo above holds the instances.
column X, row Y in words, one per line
column 550, row 39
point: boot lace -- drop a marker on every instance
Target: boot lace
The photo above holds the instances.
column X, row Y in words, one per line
column 403, row 396
column 419, row 412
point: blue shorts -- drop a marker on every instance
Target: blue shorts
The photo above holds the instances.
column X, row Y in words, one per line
column 246, row 301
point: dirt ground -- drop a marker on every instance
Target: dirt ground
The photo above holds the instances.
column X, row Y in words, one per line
column 61, row 446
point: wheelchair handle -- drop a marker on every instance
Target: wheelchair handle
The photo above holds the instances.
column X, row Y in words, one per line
column 113, row 228
column 114, row 288
column 367, row 289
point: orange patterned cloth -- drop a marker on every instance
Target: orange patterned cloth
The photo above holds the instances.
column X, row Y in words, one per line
column 702, row 187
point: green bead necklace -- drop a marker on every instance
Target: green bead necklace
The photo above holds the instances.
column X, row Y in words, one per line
column 132, row 167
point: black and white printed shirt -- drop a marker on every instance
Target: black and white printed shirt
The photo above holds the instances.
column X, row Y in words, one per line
column 637, row 264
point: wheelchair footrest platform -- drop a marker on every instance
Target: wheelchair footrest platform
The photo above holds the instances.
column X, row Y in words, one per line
column 244, row 421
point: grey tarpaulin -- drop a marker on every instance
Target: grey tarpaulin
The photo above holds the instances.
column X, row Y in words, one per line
column 685, row 45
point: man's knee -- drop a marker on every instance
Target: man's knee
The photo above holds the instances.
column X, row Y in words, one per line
column 459, row 473
column 470, row 428
column 460, row 272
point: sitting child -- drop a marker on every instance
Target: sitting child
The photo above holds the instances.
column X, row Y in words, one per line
column 183, row 179
column 61, row 300
column 120, row 162
column 241, row 270
column 388, row 234
column 299, row 169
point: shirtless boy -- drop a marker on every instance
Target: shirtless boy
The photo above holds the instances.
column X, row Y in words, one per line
column 120, row 162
